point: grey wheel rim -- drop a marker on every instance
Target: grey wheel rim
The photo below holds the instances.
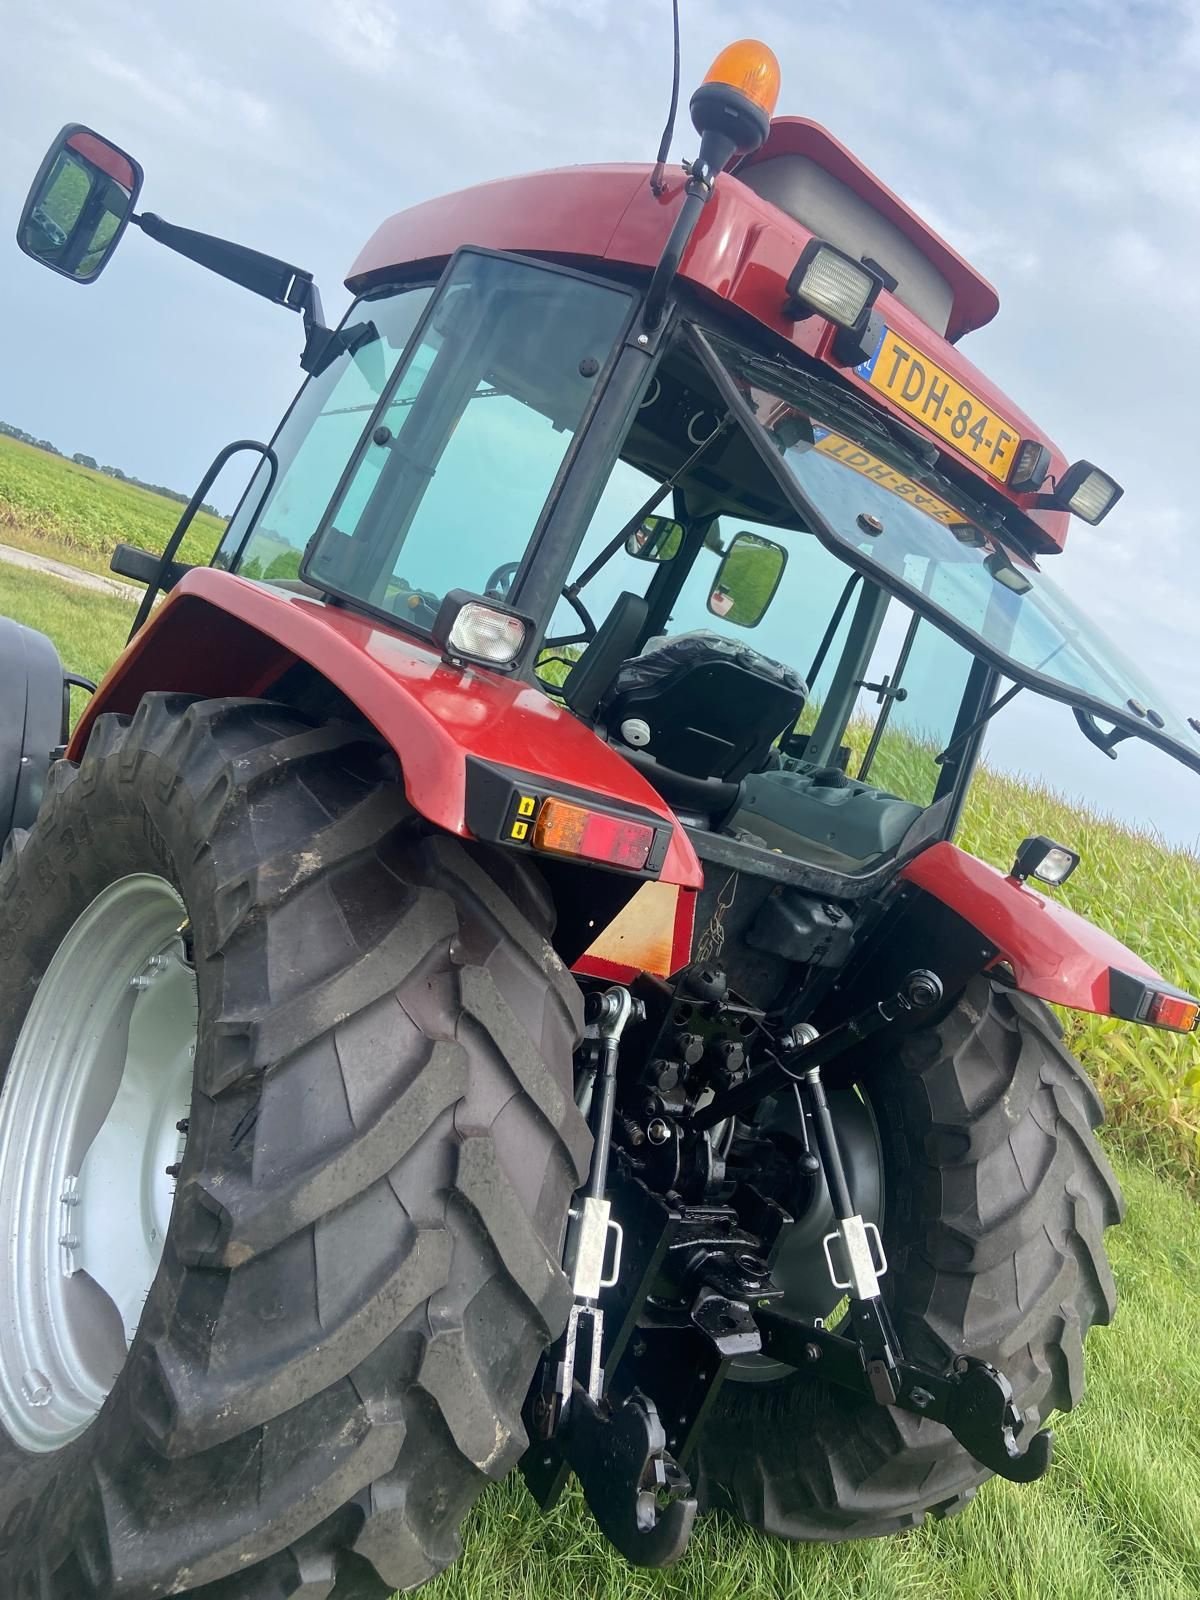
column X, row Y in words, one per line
column 100, row 1078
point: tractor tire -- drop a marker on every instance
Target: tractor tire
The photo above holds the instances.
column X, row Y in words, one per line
column 996, row 1197
column 361, row 1266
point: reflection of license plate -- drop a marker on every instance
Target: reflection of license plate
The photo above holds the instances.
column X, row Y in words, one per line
column 918, row 385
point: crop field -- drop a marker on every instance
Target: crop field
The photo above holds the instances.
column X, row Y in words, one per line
column 1118, row 1516
column 64, row 510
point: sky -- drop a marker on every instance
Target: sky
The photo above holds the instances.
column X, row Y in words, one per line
column 1056, row 145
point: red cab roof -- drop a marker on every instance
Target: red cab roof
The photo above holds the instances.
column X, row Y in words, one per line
column 975, row 300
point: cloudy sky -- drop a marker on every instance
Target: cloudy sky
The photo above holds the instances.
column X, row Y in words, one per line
column 1056, row 144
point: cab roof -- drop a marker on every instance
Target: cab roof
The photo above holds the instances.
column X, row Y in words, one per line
column 741, row 254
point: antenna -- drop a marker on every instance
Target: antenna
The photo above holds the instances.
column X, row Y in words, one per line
column 656, row 177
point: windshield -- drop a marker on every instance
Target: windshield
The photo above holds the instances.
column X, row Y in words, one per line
column 870, row 499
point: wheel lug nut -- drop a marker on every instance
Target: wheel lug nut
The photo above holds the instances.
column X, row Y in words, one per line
column 69, row 1241
column 182, row 1125
column 174, row 1169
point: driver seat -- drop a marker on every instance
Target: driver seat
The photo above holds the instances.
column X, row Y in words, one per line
column 703, row 705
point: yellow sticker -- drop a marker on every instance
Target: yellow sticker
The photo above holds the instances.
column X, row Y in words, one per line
column 916, row 383
column 859, row 460
column 519, row 830
column 526, row 805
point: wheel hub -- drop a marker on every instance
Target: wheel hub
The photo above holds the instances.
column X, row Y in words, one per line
column 92, row 1125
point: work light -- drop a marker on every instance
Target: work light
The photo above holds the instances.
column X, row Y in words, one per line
column 1040, row 858
column 471, row 629
column 1030, row 466
column 831, row 283
column 1002, row 569
column 1084, row 490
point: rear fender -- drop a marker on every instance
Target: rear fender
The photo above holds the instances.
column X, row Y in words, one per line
column 31, row 721
column 219, row 635
column 1052, row 951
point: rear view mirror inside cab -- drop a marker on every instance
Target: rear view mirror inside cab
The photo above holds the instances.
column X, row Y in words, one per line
column 79, row 204
column 655, row 539
column 747, row 579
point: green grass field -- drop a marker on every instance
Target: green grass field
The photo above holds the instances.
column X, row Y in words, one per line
column 54, row 506
column 1118, row 1516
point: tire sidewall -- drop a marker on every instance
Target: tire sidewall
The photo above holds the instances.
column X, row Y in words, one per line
column 98, row 824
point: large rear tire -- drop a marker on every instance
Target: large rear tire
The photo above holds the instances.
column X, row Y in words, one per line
column 997, row 1195
column 362, row 1262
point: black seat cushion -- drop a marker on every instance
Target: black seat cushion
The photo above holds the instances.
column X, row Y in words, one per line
column 709, row 706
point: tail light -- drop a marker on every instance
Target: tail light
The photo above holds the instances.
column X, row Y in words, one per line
column 571, row 830
column 1177, row 1012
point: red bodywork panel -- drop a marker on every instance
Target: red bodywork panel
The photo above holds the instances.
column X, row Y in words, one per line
column 742, row 252
column 217, row 634
column 1054, row 953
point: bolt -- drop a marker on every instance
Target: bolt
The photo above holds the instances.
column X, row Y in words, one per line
column 69, row 1197
column 37, row 1387
column 173, row 1170
column 69, row 1241
column 589, row 367
column 643, row 338
column 812, row 1352
column 657, row 1131
column 149, row 972
column 920, row 1397
column 182, row 1125
column 748, row 1263
column 762, row 1304
column 961, row 1364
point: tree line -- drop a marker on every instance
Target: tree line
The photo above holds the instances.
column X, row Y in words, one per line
column 12, row 432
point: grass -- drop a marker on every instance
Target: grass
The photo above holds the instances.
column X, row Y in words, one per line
column 61, row 509
column 1118, row 1516
column 89, row 629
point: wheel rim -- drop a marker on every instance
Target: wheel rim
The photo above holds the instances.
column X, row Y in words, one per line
column 98, row 1081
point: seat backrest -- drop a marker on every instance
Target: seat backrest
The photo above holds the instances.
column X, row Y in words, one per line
column 713, row 716
column 596, row 668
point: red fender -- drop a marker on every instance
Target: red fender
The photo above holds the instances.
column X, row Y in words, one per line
column 217, row 634
column 1054, row 953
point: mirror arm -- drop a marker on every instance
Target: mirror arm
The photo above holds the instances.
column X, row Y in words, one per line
column 268, row 276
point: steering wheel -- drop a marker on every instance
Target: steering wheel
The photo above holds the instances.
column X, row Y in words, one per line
column 499, row 585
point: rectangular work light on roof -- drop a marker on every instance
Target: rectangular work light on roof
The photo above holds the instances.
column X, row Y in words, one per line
column 1085, row 491
column 833, row 284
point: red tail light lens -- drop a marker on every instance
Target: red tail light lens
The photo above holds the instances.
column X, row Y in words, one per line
column 1175, row 1012
column 571, row 830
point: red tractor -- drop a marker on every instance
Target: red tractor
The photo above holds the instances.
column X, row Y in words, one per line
column 490, row 980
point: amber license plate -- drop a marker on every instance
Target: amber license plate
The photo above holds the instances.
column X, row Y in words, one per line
column 919, row 386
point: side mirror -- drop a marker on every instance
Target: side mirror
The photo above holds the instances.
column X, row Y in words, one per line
column 655, row 539
column 747, row 579
column 79, row 205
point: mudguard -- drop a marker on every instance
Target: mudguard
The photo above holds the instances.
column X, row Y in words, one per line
column 217, row 634
column 31, row 721
column 1053, row 952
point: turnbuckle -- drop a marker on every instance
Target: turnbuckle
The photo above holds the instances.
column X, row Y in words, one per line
column 591, row 1223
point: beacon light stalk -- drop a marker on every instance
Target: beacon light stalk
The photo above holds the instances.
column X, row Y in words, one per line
column 731, row 111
